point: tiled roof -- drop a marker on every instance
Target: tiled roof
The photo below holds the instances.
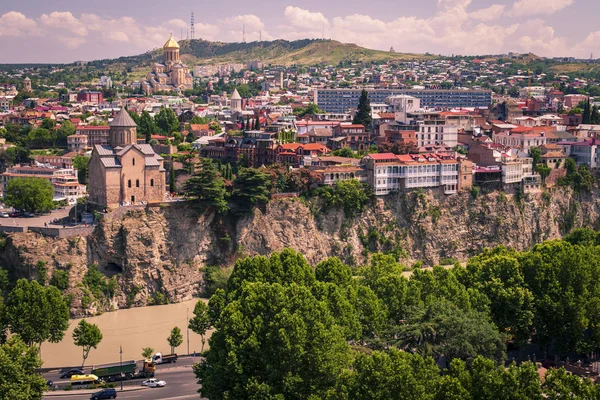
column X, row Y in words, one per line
column 104, row 150
column 110, row 162
column 123, row 119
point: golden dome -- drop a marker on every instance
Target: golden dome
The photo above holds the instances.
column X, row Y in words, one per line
column 171, row 44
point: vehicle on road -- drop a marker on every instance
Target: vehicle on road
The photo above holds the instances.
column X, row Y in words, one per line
column 127, row 370
column 104, row 394
column 67, row 373
column 49, row 383
column 85, row 380
column 163, row 359
column 153, row 382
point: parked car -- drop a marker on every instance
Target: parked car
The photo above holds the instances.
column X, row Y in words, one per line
column 68, row 373
column 49, row 383
column 105, row 394
column 4, row 214
column 153, row 382
column 28, row 215
column 15, row 214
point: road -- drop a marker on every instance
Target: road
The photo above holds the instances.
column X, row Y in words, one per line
column 39, row 220
column 181, row 384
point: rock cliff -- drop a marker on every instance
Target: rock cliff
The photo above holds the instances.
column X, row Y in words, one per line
column 156, row 255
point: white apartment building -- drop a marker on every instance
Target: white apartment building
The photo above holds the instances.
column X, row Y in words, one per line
column 530, row 91
column 63, row 180
column 387, row 172
column 437, row 134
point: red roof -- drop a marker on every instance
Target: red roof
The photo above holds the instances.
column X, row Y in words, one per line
column 382, row 156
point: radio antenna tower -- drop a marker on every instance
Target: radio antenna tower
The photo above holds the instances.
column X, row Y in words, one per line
column 192, row 30
column 260, row 36
column 243, row 33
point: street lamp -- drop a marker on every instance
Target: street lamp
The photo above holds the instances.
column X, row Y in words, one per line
column 121, row 364
column 187, row 317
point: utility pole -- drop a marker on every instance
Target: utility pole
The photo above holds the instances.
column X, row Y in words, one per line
column 192, row 29
column 121, row 364
column 243, row 33
column 187, row 317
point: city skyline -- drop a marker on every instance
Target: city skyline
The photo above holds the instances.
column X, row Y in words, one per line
column 66, row 31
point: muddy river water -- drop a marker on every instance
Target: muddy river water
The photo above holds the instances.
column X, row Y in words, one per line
column 132, row 329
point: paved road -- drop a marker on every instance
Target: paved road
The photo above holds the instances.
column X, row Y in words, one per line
column 181, row 384
column 37, row 221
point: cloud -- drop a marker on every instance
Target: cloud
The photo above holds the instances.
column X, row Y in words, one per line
column 14, row 23
column 488, row 14
column 305, row 19
column 536, row 7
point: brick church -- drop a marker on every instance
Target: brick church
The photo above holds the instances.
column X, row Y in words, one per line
column 124, row 172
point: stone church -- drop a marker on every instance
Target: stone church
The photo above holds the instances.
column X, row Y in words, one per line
column 172, row 75
column 124, row 172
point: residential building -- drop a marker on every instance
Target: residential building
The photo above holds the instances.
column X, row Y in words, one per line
column 78, row 143
column 356, row 136
column 63, row 180
column 335, row 173
column 90, row 97
column 297, row 154
column 341, row 100
column 96, row 134
column 389, row 173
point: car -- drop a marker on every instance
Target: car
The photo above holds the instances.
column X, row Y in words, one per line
column 29, row 215
column 4, row 214
column 152, row 383
column 15, row 214
column 49, row 383
column 70, row 372
column 104, row 394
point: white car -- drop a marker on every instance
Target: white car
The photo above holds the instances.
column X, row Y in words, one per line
column 153, row 383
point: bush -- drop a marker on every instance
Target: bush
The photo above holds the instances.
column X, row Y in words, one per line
column 475, row 190
column 60, row 279
column 351, row 195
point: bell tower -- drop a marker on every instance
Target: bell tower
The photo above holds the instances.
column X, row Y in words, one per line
column 171, row 51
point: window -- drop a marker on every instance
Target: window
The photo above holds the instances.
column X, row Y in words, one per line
column 129, row 183
column 151, row 182
column 133, row 161
column 137, row 183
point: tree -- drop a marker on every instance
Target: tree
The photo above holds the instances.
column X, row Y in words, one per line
column 36, row 313
column 39, row 137
column 166, row 121
column 172, row 180
column 86, row 336
column 146, row 125
column 310, row 109
column 536, row 154
column 19, row 379
column 175, row 339
column 587, row 113
column 147, row 352
column 66, row 129
column 363, row 113
column 250, row 188
column 543, row 170
column 81, row 164
column 29, row 194
column 351, row 195
column 201, row 321
column 208, row 186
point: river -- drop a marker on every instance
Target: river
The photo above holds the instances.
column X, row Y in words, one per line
column 133, row 329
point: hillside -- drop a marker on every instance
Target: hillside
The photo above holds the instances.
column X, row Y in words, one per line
column 279, row 52
column 160, row 254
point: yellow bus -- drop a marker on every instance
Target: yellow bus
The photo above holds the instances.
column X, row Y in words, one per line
column 84, row 380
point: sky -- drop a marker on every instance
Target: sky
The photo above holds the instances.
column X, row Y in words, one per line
column 72, row 30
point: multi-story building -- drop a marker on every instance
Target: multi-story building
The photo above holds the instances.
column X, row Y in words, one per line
column 296, row 154
column 96, row 134
column 341, row 100
column 78, row 143
column 90, row 97
column 63, row 180
column 356, row 136
column 388, row 172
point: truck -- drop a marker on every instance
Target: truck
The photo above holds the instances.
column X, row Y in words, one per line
column 127, row 369
column 163, row 359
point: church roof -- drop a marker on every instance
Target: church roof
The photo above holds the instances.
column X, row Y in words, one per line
column 123, row 119
column 235, row 95
column 171, row 44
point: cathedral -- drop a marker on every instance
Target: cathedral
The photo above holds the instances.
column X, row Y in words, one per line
column 124, row 172
column 172, row 75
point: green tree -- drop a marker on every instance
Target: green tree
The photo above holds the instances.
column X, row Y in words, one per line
column 29, row 194
column 172, row 180
column 86, row 336
column 39, row 137
column 351, row 195
column 48, row 123
column 208, row 186
column 19, row 379
column 175, row 339
column 66, row 129
column 147, row 352
column 200, row 323
column 310, row 109
column 543, row 170
column 587, row 113
column 166, row 120
column 198, row 120
column 250, row 188
column 146, row 125
column 363, row 113
column 36, row 313
column 273, row 341
column 536, row 154
column 81, row 164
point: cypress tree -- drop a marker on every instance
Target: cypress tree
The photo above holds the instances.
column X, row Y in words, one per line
column 257, row 123
column 363, row 113
column 587, row 113
column 247, row 128
column 172, row 183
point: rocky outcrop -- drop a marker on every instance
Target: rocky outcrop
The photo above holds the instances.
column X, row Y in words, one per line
column 157, row 254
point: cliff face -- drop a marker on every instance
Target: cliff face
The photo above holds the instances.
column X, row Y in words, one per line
column 157, row 255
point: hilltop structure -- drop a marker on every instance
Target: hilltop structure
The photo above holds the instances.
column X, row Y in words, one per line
column 171, row 76
column 124, row 172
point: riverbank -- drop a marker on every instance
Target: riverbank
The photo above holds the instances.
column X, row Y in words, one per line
column 130, row 329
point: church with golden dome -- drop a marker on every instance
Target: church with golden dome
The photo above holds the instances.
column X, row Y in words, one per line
column 170, row 76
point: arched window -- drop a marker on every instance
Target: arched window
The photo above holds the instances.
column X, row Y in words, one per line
column 133, row 161
column 151, row 182
column 137, row 183
column 129, row 183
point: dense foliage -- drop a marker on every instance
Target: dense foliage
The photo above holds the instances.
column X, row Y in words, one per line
column 18, row 377
column 287, row 331
column 29, row 194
